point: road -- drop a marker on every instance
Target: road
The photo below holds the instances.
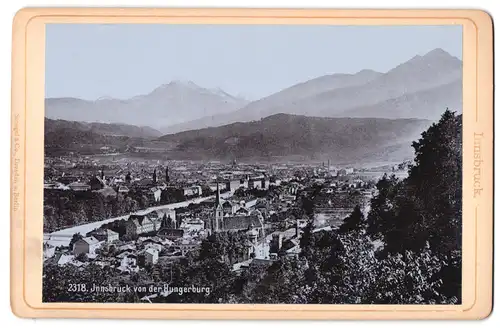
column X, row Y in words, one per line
column 63, row 237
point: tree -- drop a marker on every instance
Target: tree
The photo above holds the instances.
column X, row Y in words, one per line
column 427, row 206
column 306, row 239
column 204, row 271
column 424, row 211
column 307, row 205
column 166, row 222
column 382, row 209
column 245, row 285
column 409, row 278
column 283, row 283
column 206, row 191
column 76, row 237
column 354, row 222
column 227, row 247
column 436, row 182
column 82, row 257
column 240, row 193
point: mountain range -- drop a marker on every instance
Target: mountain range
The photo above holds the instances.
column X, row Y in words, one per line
column 368, row 116
column 421, row 87
column 303, row 138
column 169, row 104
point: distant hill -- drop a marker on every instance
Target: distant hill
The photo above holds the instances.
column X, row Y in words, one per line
column 62, row 141
column 172, row 103
column 62, row 136
column 105, row 129
column 302, row 138
column 419, row 88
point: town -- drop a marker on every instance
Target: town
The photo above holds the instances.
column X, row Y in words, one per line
column 183, row 203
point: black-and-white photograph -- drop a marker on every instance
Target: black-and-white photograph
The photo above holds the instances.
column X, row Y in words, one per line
column 253, row 164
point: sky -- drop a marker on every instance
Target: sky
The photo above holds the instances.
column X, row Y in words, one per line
column 91, row 61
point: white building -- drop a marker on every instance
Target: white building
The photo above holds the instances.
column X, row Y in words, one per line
column 86, row 245
column 123, row 189
column 156, row 194
column 192, row 224
column 107, row 235
column 192, row 191
column 79, row 186
column 151, row 256
column 48, row 251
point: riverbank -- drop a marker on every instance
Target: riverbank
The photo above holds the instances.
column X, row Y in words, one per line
column 63, row 237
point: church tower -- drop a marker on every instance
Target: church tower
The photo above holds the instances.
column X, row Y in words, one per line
column 154, row 176
column 167, row 222
column 167, row 176
column 219, row 213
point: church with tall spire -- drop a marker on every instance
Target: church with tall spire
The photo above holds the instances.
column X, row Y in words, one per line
column 218, row 218
column 167, row 176
column 248, row 220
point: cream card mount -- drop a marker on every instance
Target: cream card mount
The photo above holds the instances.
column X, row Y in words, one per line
column 252, row 164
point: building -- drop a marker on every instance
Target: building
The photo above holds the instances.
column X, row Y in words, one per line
column 193, row 191
column 107, row 192
column 48, row 251
column 345, row 171
column 167, row 176
column 213, row 186
column 258, row 183
column 293, row 188
column 192, row 225
column 151, row 256
column 229, row 207
column 79, row 186
column 186, row 247
column 67, row 180
column 167, row 218
column 96, row 183
column 242, row 211
column 291, row 248
column 153, row 244
column 140, row 223
column 252, row 203
column 234, row 222
column 107, row 235
column 171, row 234
column 276, row 182
column 329, row 216
column 64, row 259
column 252, row 183
column 86, row 245
column 128, row 262
column 258, row 247
column 232, row 185
column 123, row 189
column 55, row 185
column 276, row 242
column 155, row 194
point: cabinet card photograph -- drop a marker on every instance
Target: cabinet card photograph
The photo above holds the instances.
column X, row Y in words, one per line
column 256, row 164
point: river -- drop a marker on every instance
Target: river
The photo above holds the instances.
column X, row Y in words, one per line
column 63, row 237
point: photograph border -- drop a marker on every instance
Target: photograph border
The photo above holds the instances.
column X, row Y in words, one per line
column 27, row 155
